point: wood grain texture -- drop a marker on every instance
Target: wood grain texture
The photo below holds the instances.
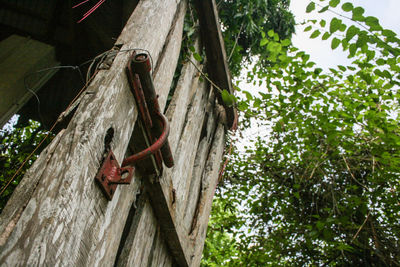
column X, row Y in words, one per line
column 182, row 105
column 131, row 250
column 217, row 65
column 203, row 151
column 209, row 183
column 66, row 220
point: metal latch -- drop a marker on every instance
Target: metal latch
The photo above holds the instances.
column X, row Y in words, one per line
column 111, row 174
column 155, row 124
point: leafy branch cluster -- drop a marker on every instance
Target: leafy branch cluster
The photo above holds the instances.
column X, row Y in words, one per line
column 321, row 186
column 16, row 144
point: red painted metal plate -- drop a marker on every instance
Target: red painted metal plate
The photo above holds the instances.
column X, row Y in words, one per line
column 110, row 175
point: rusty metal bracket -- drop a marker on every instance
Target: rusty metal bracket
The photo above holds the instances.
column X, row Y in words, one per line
column 111, row 174
column 156, row 124
column 156, row 129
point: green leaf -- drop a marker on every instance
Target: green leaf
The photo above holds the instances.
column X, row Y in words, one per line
column 352, row 50
column 380, row 62
column 347, row 7
column 248, row 95
column 335, row 43
column 388, row 33
column 326, row 36
column 197, row 56
column 226, row 97
column 371, row 21
column 263, row 41
column 308, row 28
column 282, row 57
column 334, row 3
column 315, row 34
column 323, row 9
column 335, row 25
column 322, row 23
column 362, row 40
column 370, row 55
column 310, row 7
column 317, row 71
column 358, row 14
column 351, row 31
column 271, row 33
column 285, row 42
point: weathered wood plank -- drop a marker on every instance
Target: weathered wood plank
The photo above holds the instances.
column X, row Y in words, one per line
column 188, row 84
column 168, row 210
column 184, row 90
column 169, row 57
column 209, row 128
column 160, row 254
column 186, row 151
column 161, row 195
column 217, row 65
column 143, row 238
column 20, row 57
column 67, row 219
column 208, row 185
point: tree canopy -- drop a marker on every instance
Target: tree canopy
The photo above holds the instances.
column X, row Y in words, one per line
column 319, row 183
column 242, row 23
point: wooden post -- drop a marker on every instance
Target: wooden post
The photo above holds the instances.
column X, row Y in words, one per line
column 59, row 216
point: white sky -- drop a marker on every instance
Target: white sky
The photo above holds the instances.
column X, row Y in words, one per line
column 387, row 11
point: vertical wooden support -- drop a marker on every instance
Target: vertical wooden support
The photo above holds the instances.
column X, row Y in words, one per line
column 58, row 215
column 215, row 50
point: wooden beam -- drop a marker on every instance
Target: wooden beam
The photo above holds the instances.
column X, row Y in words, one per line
column 217, row 66
column 20, row 58
column 209, row 181
column 58, row 215
column 174, row 237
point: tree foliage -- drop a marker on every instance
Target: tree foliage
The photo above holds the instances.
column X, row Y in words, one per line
column 17, row 142
column 242, row 23
column 321, row 186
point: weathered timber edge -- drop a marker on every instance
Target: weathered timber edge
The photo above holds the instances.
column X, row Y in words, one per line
column 217, row 64
column 65, row 219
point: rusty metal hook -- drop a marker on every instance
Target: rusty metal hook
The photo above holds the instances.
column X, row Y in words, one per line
column 156, row 146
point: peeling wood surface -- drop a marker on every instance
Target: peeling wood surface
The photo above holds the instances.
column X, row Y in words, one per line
column 186, row 152
column 217, row 66
column 176, row 114
column 209, row 183
column 66, row 220
column 203, row 152
column 177, row 109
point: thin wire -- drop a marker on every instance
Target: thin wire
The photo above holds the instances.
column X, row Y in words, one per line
column 91, row 10
column 81, row 3
column 41, row 142
column 70, row 104
column 46, row 70
column 111, row 52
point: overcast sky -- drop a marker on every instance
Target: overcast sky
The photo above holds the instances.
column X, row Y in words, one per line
column 387, row 11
